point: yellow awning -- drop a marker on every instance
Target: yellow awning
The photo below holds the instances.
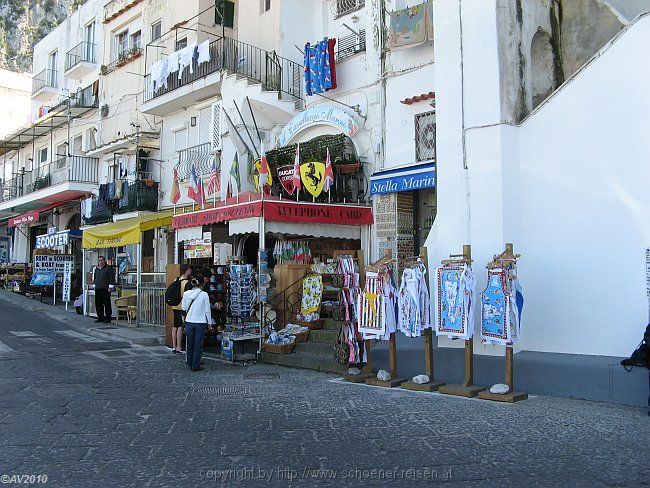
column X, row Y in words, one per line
column 127, row 231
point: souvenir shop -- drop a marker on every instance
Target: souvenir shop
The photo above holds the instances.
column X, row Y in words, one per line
column 128, row 246
column 238, row 240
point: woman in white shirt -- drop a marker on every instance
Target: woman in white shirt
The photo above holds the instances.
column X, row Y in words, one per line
column 196, row 304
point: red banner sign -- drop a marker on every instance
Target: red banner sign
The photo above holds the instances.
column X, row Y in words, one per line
column 26, row 218
column 314, row 213
column 220, row 214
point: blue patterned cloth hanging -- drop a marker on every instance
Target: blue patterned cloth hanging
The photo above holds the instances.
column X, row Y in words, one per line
column 318, row 72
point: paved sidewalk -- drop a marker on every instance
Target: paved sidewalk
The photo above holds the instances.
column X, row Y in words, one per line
column 143, row 336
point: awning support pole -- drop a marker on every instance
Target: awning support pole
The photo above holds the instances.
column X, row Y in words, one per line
column 139, row 278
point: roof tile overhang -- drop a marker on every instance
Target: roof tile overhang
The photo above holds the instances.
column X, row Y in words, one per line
column 419, row 98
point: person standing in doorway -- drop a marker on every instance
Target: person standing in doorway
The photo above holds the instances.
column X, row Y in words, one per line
column 198, row 316
column 177, row 329
column 104, row 282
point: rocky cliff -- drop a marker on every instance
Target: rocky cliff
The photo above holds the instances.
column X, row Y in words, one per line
column 25, row 22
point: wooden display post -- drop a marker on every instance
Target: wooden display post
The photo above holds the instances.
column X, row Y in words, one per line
column 395, row 380
column 506, row 259
column 467, row 388
column 429, row 361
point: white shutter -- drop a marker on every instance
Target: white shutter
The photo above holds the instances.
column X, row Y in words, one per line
column 205, row 125
column 217, row 125
column 180, row 140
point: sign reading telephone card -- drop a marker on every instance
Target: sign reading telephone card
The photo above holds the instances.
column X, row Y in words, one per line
column 52, row 263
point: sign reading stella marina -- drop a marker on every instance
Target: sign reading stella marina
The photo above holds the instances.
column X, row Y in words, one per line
column 407, row 180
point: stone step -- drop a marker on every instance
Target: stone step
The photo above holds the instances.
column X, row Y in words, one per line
column 324, row 335
column 315, row 348
column 305, row 361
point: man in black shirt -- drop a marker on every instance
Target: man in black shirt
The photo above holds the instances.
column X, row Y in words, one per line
column 104, row 281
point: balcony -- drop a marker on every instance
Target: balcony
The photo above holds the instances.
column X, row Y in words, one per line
column 199, row 156
column 124, row 58
column 135, row 196
column 68, row 176
column 81, row 60
column 45, row 85
column 273, row 72
column 344, row 7
column 115, row 8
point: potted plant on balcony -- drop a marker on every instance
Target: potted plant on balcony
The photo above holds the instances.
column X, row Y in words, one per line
column 347, row 167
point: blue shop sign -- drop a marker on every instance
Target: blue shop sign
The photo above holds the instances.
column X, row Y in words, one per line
column 405, row 179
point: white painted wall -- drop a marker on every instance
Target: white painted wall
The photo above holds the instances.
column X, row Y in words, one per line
column 568, row 187
column 400, row 118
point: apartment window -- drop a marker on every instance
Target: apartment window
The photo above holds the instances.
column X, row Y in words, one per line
column 344, row 7
column 156, row 30
column 181, row 43
column 350, row 45
column 136, row 40
column 266, row 5
column 180, row 140
column 51, row 71
column 228, row 9
column 77, row 145
column 205, row 121
column 89, row 47
column 122, row 44
column 425, row 136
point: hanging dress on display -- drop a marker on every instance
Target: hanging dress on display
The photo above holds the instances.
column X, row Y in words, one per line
column 501, row 304
column 413, row 302
column 312, row 293
column 370, row 305
column 455, row 292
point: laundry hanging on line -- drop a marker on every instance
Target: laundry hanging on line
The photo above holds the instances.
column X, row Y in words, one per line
column 320, row 66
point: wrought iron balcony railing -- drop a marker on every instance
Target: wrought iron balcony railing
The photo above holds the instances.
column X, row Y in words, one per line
column 274, row 72
column 82, row 52
column 46, row 78
column 66, row 169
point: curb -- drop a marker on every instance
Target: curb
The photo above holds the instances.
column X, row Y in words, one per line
column 83, row 324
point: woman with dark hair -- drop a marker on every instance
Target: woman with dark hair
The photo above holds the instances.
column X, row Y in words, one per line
column 196, row 304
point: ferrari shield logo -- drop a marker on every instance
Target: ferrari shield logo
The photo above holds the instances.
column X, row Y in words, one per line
column 257, row 164
column 285, row 175
column 313, row 177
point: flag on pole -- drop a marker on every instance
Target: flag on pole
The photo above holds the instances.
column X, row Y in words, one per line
column 201, row 200
column 214, row 183
column 264, row 170
column 329, row 174
column 234, row 172
column 193, row 190
column 175, row 195
column 297, row 184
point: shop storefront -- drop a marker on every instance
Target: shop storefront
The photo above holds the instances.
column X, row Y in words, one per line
column 404, row 202
column 139, row 292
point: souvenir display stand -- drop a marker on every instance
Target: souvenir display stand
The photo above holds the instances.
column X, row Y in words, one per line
column 467, row 388
column 392, row 349
column 505, row 260
column 429, row 362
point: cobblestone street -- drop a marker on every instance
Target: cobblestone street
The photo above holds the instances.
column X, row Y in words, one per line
column 85, row 411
